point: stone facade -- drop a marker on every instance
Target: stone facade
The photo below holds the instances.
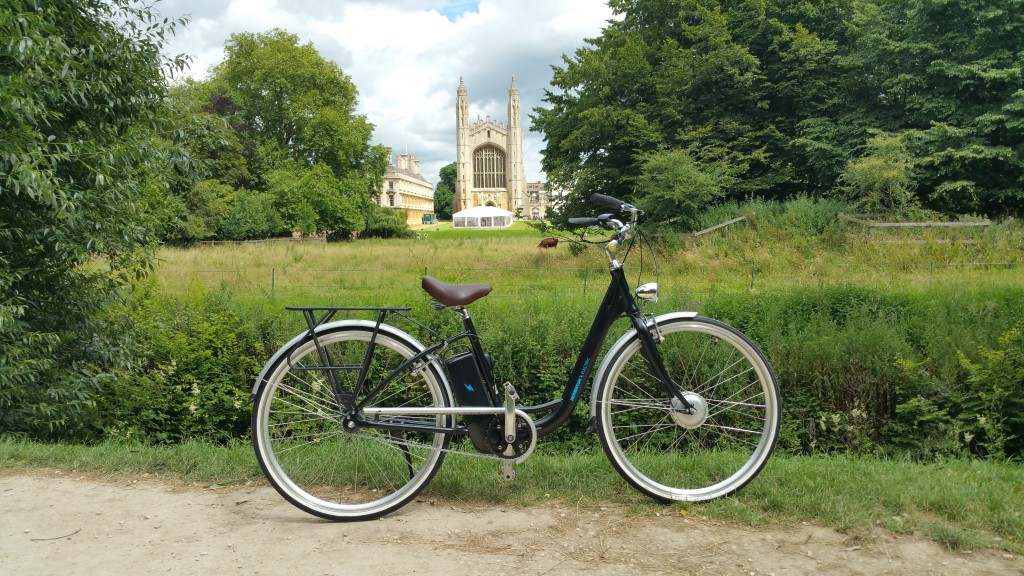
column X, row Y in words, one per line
column 537, row 200
column 489, row 157
column 405, row 189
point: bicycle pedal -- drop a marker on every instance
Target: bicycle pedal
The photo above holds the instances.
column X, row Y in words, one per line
column 510, row 391
column 506, row 471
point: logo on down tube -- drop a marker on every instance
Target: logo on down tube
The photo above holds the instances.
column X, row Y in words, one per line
column 579, row 380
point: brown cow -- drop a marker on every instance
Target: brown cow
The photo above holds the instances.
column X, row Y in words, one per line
column 548, row 243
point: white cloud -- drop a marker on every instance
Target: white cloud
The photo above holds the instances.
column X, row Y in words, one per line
column 406, row 56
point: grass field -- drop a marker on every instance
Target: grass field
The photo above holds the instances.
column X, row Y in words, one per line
column 743, row 258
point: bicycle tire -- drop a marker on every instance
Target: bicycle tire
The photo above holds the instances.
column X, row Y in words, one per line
column 318, row 465
column 672, row 456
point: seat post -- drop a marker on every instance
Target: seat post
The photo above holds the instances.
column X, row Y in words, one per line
column 467, row 321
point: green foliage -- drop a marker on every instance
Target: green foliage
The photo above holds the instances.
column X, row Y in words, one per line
column 386, row 223
column 866, row 371
column 801, row 216
column 445, row 191
column 676, row 187
column 195, row 359
column 82, row 170
column 950, row 71
column 991, row 412
column 781, row 96
column 276, row 121
column 251, row 215
column 881, row 180
column 309, row 200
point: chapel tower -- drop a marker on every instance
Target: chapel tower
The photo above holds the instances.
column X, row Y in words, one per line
column 489, row 156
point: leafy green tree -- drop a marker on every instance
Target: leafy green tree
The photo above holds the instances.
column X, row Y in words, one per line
column 312, row 200
column 445, row 191
column 729, row 82
column 290, row 95
column 881, row 180
column 386, row 223
column 82, row 173
column 786, row 94
column 672, row 186
column 277, row 117
column 950, row 75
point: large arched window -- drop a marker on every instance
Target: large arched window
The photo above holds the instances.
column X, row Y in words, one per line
column 488, row 167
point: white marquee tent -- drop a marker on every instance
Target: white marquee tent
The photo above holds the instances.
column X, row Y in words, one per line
column 482, row 217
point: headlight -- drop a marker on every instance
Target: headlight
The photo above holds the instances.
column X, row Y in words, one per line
column 648, row 292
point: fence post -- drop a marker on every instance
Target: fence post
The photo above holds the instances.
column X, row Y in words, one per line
column 586, row 273
column 273, row 281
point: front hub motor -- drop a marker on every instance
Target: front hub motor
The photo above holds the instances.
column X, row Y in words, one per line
column 690, row 419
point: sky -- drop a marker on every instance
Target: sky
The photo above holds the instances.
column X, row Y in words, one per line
column 406, row 57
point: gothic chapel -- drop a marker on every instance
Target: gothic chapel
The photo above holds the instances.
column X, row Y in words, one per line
column 489, row 157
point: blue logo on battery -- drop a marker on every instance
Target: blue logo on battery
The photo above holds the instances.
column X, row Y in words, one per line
column 469, row 387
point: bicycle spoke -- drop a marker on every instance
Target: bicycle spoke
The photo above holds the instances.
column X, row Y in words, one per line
column 338, row 472
column 723, row 443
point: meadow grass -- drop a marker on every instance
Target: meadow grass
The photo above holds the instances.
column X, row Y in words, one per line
column 745, row 258
column 959, row 503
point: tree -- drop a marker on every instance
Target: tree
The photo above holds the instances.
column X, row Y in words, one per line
column 729, row 82
column 445, row 191
column 276, row 117
column 881, row 179
column 290, row 95
column 947, row 76
column 784, row 95
column 82, row 168
column 672, row 186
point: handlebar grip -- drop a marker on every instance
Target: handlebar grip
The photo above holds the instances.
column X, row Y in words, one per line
column 581, row 222
column 607, row 201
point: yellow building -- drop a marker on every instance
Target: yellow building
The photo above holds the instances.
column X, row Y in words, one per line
column 406, row 190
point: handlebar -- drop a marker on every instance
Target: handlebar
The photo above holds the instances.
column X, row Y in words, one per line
column 583, row 222
column 623, row 231
column 607, row 201
column 607, row 220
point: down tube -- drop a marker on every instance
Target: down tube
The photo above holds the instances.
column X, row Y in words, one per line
column 612, row 307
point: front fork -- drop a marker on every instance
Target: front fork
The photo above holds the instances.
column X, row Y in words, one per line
column 649, row 350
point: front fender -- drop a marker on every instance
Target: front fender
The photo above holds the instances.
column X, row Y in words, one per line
column 394, row 333
column 621, row 343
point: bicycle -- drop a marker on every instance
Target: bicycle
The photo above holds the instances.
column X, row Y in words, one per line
column 353, row 418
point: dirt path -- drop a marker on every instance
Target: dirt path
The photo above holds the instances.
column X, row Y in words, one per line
column 53, row 523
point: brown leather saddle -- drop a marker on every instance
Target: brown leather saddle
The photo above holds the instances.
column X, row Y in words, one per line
column 454, row 294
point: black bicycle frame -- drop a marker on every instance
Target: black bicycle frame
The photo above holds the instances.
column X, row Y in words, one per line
column 618, row 301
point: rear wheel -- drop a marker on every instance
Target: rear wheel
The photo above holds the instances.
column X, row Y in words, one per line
column 714, row 450
column 323, row 466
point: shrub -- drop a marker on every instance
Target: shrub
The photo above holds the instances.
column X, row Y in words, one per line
column 386, row 223
column 857, row 364
column 990, row 414
column 197, row 356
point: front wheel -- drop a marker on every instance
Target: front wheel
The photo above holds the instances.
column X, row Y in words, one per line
column 711, row 451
